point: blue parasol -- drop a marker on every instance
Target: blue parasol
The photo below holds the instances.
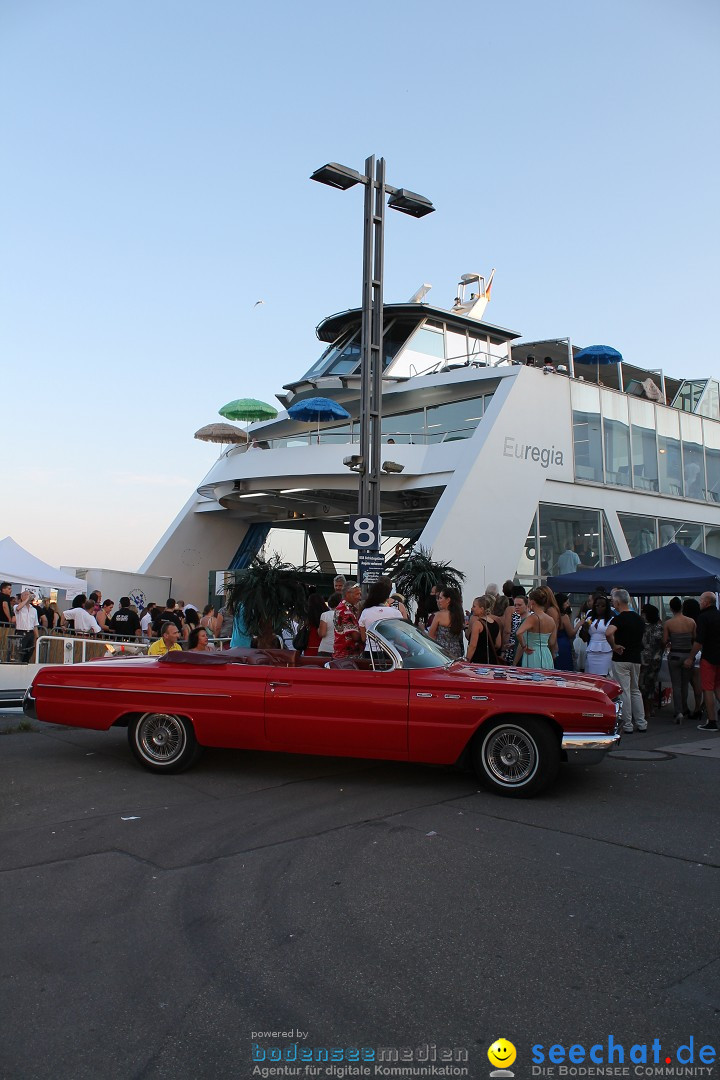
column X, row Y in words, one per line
column 597, row 355
column 318, row 410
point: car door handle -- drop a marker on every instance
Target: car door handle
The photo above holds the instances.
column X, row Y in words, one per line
column 423, row 695
column 274, row 684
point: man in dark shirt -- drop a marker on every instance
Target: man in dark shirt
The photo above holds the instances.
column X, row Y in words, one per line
column 707, row 638
column 125, row 621
column 170, row 614
column 6, row 603
column 625, row 634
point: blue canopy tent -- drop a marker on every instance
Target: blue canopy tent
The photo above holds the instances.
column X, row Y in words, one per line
column 667, row 571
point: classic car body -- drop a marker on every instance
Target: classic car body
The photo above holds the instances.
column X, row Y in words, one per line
column 407, row 702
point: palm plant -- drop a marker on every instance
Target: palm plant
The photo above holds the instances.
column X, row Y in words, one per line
column 419, row 572
column 270, row 595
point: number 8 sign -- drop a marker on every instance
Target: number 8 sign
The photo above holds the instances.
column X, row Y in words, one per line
column 365, row 532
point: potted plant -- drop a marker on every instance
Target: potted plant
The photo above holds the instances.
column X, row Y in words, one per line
column 417, row 575
column 270, row 596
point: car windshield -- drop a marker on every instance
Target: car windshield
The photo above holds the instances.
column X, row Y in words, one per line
column 415, row 648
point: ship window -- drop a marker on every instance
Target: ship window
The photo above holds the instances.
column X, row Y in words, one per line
column 406, row 427
column 689, row 394
column 644, row 445
column 692, row 456
column 669, row 456
column 455, row 420
column 712, row 459
column 337, row 435
column 712, row 541
column 686, row 533
column 587, row 435
column 528, row 565
column 569, row 539
column 709, row 404
column 456, row 347
column 640, row 533
column 329, row 356
column 394, row 337
column 617, row 440
column 429, row 342
column 347, row 360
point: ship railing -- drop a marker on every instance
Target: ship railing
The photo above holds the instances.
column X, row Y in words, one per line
column 407, row 438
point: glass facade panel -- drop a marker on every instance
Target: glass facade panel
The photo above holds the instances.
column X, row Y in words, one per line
column 711, row 438
column 644, row 445
column 616, row 431
column 686, row 533
column 669, row 454
column 640, row 533
column 587, row 435
column 569, row 539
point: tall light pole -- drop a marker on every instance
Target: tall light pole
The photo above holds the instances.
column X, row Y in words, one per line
column 371, row 341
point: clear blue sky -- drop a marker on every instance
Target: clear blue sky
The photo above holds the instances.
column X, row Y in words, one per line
column 156, row 156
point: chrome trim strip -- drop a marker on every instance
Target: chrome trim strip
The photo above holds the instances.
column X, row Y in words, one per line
column 452, row 697
column 423, row 695
column 119, row 690
column 480, row 697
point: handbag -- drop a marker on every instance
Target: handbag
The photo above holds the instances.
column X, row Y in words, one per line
column 300, row 641
column 584, row 633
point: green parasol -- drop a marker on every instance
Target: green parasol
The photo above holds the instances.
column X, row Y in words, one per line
column 248, row 409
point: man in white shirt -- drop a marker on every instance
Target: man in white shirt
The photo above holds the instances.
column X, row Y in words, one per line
column 83, row 618
column 26, row 623
column 146, row 621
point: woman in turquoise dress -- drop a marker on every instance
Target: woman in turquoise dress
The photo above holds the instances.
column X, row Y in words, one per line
column 537, row 635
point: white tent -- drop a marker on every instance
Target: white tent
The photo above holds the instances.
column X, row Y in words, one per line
column 21, row 568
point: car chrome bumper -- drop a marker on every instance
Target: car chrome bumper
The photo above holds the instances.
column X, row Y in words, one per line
column 591, row 747
column 29, row 705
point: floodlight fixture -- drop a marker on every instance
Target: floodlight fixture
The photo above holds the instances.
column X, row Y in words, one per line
column 337, row 176
column 354, row 461
column 392, row 467
column 409, row 202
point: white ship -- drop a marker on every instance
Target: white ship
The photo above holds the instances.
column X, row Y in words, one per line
column 506, row 457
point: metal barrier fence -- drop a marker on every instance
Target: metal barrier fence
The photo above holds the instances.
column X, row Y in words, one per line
column 68, row 648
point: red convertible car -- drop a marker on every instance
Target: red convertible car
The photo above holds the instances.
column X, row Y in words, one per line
column 407, row 702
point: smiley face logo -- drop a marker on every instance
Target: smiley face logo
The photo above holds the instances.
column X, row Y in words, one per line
column 502, row 1054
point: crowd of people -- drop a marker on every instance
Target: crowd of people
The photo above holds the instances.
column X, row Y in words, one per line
column 504, row 626
column 91, row 616
column 606, row 637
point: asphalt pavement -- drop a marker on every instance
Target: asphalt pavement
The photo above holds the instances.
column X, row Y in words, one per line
column 164, row 927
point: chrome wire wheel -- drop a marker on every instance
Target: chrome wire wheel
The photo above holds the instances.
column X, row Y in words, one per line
column 163, row 742
column 161, row 738
column 511, row 755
